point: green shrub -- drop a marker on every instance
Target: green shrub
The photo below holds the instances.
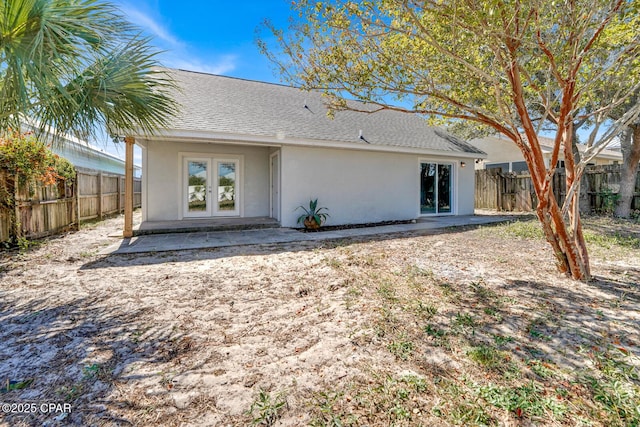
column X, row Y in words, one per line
column 27, row 158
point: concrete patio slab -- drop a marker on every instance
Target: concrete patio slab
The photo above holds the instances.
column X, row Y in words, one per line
column 216, row 239
column 203, row 224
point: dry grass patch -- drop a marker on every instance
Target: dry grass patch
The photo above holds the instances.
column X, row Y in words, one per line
column 464, row 327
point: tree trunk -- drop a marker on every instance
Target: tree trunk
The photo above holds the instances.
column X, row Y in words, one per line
column 566, row 239
column 564, row 233
column 630, row 145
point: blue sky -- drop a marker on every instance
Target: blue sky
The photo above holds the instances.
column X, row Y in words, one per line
column 212, row 36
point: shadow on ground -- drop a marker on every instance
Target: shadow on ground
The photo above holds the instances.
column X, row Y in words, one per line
column 564, row 324
column 187, row 255
column 75, row 353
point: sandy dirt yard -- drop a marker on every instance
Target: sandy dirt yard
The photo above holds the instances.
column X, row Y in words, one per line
column 460, row 327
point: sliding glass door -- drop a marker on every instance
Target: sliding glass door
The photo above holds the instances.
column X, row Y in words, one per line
column 435, row 188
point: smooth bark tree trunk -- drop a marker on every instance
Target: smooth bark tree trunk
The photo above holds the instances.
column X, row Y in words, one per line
column 630, row 145
column 567, row 240
column 563, row 232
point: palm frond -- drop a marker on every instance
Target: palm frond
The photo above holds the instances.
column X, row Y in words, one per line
column 122, row 91
column 78, row 64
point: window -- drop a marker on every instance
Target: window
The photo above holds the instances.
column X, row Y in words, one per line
column 502, row 167
column 519, row 167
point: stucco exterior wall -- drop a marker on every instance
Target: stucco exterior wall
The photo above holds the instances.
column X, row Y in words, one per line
column 465, row 190
column 501, row 150
column 360, row 186
column 498, row 151
column 163, row 172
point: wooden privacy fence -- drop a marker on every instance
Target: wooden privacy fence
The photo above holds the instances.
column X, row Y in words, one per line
column 101, row 194
column 512, row 192
column 45, row 210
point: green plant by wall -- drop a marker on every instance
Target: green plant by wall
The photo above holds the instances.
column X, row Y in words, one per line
column 27, row 158
column 609, row 201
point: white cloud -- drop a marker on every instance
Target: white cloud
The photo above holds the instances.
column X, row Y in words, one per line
column 221, row 65
column 177, row 54
column 154, row 28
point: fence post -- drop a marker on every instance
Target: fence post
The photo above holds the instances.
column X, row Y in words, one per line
column 76, row 188
column 119, row 191
column 128, row 188
column 17, row 225
column 100, row 195
column 499, row 190
column 584, row 202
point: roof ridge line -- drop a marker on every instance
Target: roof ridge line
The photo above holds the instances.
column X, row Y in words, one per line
column 234, row 78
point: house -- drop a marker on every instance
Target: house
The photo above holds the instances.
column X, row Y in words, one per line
column 242, row 148
column 81, row 154
column 502, row 153
column 86, row 156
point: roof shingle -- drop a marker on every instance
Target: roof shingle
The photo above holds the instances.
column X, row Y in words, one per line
column 245, row 107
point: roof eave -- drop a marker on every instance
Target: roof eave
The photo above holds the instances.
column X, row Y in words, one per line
column 282, row 140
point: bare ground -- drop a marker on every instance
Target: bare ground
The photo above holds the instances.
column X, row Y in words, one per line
column 462, row 327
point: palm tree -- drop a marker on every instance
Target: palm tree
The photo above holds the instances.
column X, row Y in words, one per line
column 76, row 66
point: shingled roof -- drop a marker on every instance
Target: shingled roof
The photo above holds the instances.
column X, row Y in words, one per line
column 219, row 104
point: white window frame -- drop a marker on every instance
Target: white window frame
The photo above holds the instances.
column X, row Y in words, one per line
column 453, row 186
column 214, row 159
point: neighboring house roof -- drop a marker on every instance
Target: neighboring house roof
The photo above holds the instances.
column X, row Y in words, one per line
column 547, row 147
column 273, row 112
column 82, row 154
column 615, row 144
column 546, row 144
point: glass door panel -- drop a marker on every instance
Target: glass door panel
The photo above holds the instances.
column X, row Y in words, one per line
column 227, row 184
column 197, row 200
column 444, row 188
column 428, row 188
column 435, row 188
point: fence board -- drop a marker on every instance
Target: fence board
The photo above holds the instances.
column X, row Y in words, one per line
column 511, row 192
column 45, row 210
column 5, row 223
column 487, row 190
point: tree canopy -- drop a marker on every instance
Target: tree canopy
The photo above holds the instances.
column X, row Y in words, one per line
column 76, row 65
column 505, row 65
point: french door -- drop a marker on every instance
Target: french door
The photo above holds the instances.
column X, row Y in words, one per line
column 435, row 188
column 210, row 187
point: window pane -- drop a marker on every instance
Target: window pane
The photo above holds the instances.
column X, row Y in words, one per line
column 226, row 186
column 197, row 188
column 428, row 188
column 444, row 188
column 519, row 167
column 503, row 167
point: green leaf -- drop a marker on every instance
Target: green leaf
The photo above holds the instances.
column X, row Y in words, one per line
column 16, row 385
column 75, row 65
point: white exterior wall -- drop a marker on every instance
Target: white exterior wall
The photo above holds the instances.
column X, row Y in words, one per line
column 362, row 186
column 465, row 190
column 162, row 163
column 501, row 150
column 498, row 151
